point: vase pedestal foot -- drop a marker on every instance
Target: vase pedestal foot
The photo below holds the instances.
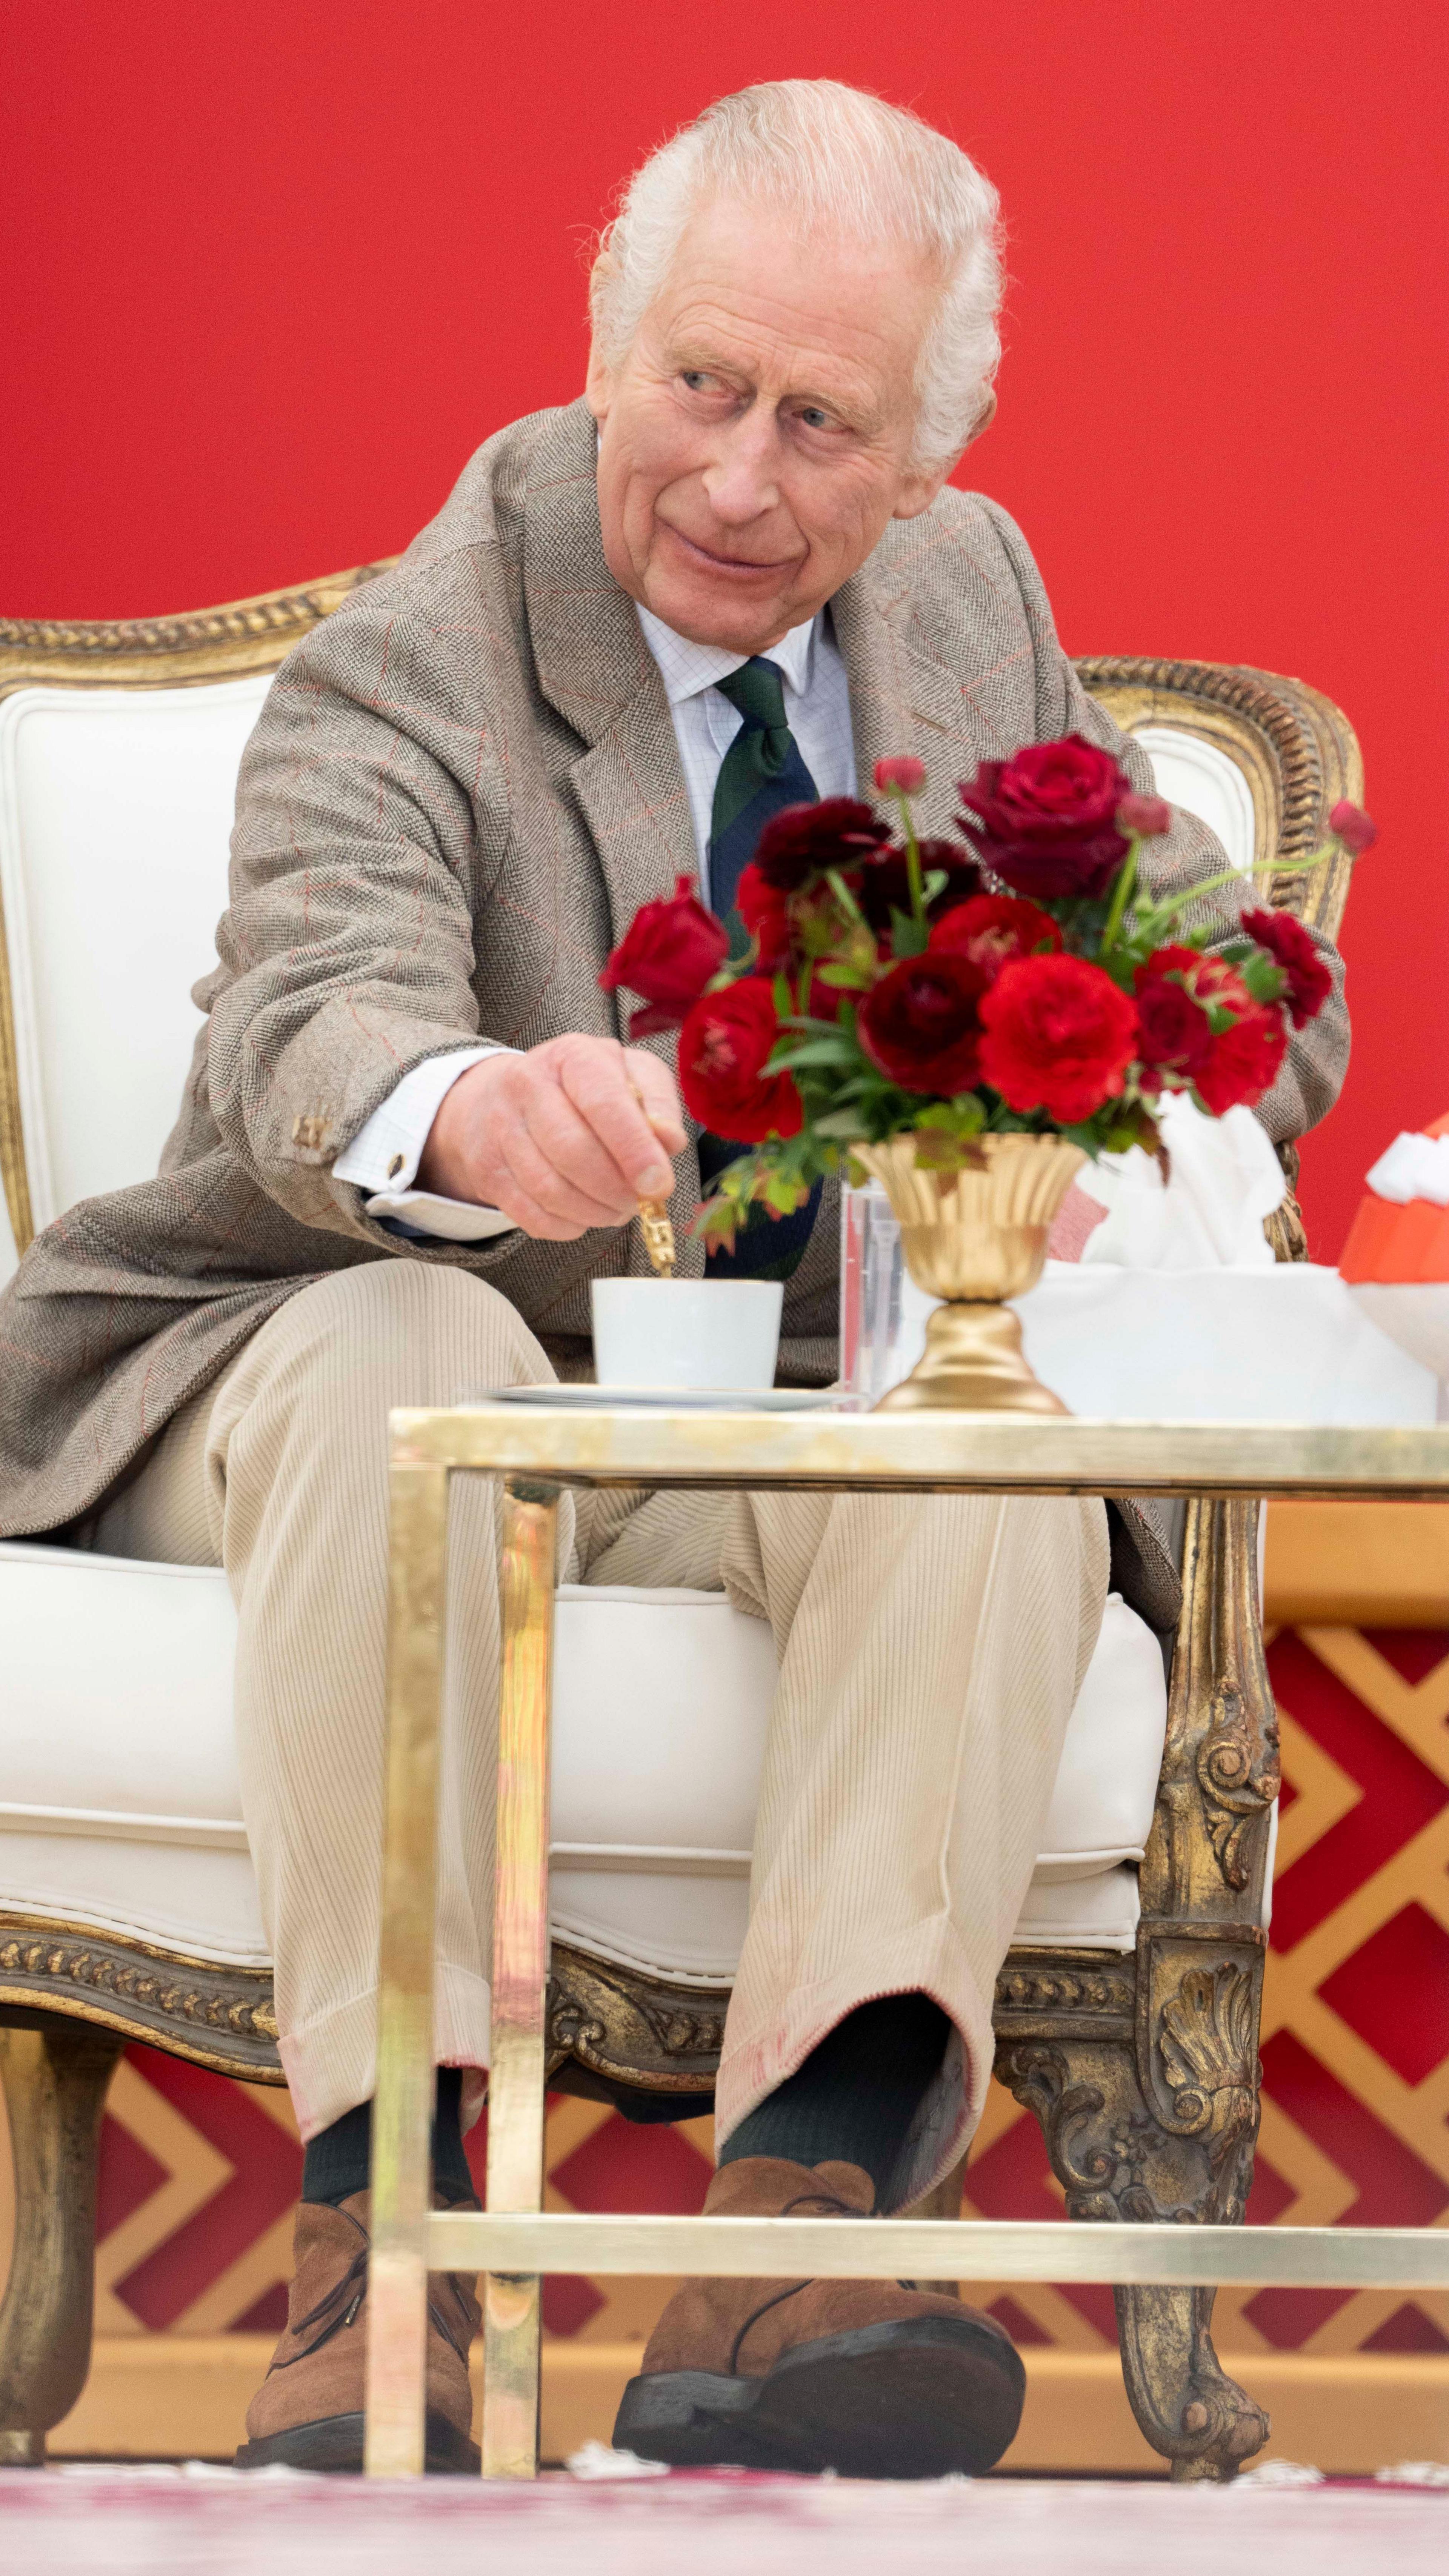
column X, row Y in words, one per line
column 973, row 1363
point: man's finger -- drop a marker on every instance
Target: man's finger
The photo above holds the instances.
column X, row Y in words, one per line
column 659, row 1097
column 601, row 1089
column 537, row 1173
column 518, row 1204
column 567, row 1140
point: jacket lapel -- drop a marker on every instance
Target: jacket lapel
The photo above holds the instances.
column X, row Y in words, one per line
column 902, row 700
column 595, row 669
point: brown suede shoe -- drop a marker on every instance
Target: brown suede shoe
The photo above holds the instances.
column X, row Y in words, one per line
column 308, row 2412
column 870, row 2378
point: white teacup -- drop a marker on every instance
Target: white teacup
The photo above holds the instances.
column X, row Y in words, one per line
column 686, row 1332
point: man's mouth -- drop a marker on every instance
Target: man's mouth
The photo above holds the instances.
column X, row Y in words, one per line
column 740, row 567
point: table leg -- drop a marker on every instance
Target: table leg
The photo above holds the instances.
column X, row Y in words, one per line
column 402, row 2108
column 516, row 2074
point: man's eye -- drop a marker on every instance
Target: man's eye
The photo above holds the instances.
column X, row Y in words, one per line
column 814, row 418
column 696, row 379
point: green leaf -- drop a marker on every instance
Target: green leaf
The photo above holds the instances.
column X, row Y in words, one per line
column 963, row 1116
column 909, row 937
column 787, row 1056
column 1265, row 980
column 937, row 1152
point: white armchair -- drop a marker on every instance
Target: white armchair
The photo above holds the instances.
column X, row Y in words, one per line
column 128, row 1906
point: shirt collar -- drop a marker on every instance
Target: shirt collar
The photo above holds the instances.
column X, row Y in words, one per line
column 686, row 669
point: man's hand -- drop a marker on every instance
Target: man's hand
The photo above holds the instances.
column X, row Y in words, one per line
column 565, row 1137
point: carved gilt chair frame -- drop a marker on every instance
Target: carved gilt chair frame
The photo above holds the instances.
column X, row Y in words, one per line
column 1142, row 2069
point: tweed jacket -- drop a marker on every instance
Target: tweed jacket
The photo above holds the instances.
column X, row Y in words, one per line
column 460, row 788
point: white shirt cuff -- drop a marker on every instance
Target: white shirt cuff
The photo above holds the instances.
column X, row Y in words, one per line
column 421, row 1212
column 384, row 1155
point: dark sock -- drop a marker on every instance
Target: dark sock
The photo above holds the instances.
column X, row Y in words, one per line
column 338, row 2161
column 451, row 2178
column 856, row 2095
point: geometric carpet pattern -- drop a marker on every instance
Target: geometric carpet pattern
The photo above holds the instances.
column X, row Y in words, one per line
column 199, row 2176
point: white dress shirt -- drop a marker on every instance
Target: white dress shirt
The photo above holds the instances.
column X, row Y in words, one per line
column 383, row 1156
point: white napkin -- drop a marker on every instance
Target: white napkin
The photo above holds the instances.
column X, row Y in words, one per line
column 1415, row 1314
column 1209, row 1216
column 1284, row 1344
column 1413, row 1167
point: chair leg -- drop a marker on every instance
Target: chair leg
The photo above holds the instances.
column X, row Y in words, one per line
column 55, row 2074
column 1116, row 2160
column 1200, row 2420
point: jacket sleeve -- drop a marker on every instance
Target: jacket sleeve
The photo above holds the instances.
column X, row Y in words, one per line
column 1317, row 1059
column 346, row 951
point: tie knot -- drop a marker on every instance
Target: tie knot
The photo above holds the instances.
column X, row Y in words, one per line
column 757, row 689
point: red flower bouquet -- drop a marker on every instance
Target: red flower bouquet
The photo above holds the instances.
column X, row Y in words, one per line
column 1017, row 980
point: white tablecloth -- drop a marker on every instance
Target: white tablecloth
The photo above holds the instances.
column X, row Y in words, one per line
column 1283, row 1345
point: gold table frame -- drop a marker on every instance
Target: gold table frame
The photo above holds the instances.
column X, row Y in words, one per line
column 537, row 1450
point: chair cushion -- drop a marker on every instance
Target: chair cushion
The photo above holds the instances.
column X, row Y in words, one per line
column 120, row 1805
column 115, row 815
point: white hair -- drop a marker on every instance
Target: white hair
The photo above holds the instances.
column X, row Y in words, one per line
column 838, row 159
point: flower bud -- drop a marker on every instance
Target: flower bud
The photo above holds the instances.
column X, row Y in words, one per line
column 1145, row 815
column 1351, row 825
column 906, row 776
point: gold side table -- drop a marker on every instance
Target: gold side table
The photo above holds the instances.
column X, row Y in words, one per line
column 537, row 1450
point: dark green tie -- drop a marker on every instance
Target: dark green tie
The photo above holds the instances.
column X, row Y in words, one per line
column 761, row 773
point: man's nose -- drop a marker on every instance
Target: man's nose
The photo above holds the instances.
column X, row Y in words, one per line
column 742, row 479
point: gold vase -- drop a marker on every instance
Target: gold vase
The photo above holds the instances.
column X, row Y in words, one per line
column 974, row 1238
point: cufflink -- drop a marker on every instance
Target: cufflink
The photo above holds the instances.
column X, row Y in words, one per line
column 394, row 1167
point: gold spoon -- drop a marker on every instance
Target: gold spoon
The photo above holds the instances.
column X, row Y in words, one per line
column 654, row 1222
column 658, row 1236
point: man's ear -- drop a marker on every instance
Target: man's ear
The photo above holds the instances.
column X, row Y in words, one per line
column 598, row 385
column 918, row 491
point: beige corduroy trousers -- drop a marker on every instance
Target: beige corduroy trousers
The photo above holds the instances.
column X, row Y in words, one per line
column 930, row 1651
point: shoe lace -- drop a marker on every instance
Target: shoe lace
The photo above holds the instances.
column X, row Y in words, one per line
column 342, row 2305
column 826, row 2203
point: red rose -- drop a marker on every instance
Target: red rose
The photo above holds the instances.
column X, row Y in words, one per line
column 919, row 1024
column 883, row 885
column 1046, row 821
column 1245, row 1059
column 803, row 840
column 905, row 775
column 1176, row 1034
column 1147, row 816
column 1060, row 1036
column 1291, row 948
column 1176, row 990
column 668, row 953
column 1351, row 825
column 724, row 1047
column 992, row 929
column 765, row 912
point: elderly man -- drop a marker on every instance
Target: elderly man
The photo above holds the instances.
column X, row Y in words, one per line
column 412, row 1137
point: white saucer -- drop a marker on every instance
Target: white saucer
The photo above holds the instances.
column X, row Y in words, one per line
column 678, row 1399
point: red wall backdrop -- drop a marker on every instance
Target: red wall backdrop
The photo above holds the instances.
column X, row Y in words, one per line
column 271, row 272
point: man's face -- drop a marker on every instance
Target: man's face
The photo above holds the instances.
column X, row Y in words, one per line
column 755, row 440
